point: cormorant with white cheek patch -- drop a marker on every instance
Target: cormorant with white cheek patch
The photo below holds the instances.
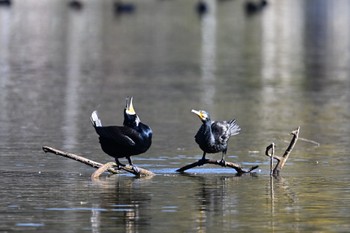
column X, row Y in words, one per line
column 213, row 136
column 132, row 138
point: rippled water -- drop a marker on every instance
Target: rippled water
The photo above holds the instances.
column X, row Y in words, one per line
column 273, row 71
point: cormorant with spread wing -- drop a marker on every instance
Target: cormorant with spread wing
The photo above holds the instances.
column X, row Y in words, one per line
column 213, row 136
column 132, row 138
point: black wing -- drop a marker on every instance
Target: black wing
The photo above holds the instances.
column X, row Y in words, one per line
column 223, row 130
column 118, row 134
column 220, row 131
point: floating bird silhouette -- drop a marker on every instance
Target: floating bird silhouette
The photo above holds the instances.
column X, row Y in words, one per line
column 121, row 7
column 132, row 138
column 201, row 7
column 5, row 3
column 213, row 136
column 253, row 6
column 76, row 4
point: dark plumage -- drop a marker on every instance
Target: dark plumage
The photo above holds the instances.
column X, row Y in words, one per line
column 213, row 136
column 76, row 4
column 5, row 3
column 201, row 7
column 253, row 6
column 132, row 138
column 121, row 7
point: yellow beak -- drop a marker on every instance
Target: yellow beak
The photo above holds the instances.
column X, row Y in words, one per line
column 129, row 107
column 198, row 113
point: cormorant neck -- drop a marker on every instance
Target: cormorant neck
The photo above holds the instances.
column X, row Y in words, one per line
column 207, row 132
column 206, row 121
column 131, row 121
column 207, row 125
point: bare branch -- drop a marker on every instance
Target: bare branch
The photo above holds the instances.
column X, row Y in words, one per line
column 281, row 161
column 201, row 162
column 139, row 172
column 102, row 169
column 271, row 148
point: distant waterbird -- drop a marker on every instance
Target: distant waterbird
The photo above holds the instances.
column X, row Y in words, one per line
column 5, row 3
column 254, row 6
column 201, row 7
column 121, row 7
column 132, row 138
column 213, row 136
column 76, row 4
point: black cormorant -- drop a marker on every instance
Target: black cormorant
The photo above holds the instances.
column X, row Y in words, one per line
column 213, row 136
column 132, row 138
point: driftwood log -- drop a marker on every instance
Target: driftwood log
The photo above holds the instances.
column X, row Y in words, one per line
column 110, row 167
column 281, row 160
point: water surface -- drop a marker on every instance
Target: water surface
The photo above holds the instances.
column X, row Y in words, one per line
column 273, row 71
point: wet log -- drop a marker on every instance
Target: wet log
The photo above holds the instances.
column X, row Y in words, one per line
column 137, row 171
column 281, row 160
column 109, row 167
column 201, row 162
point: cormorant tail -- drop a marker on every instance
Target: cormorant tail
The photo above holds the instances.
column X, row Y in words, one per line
column 234, row 128
column 96, row 122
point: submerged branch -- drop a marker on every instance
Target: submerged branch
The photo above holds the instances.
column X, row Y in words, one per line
column 281, row 161
column 271, row 148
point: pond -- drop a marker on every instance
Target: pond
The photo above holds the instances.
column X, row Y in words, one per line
column 283, row 66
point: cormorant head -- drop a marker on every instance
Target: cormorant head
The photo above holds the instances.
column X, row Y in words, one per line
column 203, row 115
column 130, row 117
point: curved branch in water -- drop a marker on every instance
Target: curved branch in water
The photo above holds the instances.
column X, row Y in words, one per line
column 109, row 167
column 201, row 162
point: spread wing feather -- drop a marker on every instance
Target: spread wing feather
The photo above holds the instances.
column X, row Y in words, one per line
column 223, row 130
column 234, row 129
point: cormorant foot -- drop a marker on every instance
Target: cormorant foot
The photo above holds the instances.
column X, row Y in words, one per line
column 202, row 161
column 136, row 169
column 222, row 162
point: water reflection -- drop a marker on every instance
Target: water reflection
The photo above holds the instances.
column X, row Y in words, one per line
column 282, row 44
column 95, row 218
column 285, row 67
column 5, row 31
column 328, row 40
column 211, row 201
column 278, row 191
column 215, row 200
column 126, row 205
column 75, row 35
column 208, row 55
